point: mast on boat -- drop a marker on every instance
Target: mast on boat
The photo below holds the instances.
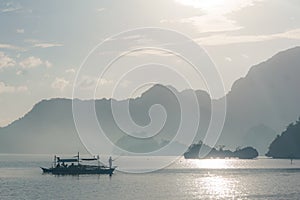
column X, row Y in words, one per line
column 78, row 158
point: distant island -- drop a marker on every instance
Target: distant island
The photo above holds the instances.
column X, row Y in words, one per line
column 287, row 145
column 242, row 153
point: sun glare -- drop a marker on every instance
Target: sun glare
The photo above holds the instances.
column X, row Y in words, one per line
column 211, row 163
column 217, row 7
column 204, row 4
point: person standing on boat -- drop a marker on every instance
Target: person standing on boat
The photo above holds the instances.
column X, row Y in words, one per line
column 110, row 162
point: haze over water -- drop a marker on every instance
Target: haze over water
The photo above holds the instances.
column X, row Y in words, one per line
column 144, row 84
column 21, row 178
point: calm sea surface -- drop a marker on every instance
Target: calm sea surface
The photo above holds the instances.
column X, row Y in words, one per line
column 21, row 178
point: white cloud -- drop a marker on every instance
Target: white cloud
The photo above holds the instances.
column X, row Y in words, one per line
column 4, row 88
column 90, row 83
column 22, row 88
column 214, row 17
column 228, row 59
column 211, row 23
column 125, row 83
column 70, row 71
column 218, row 6
column 32, row 41
column 31, row 62
column 6, row 61
column 138, row 38
column 11, row 47
column 103, row 81
column 59, row 83
column 20, row 30
column 48, row 45
column 20, row 72
column 48, row 64
column 87, row 83
column 43, row 44
column 291, row 34
column 10, row 7
column 223, row 39
column 100, row 9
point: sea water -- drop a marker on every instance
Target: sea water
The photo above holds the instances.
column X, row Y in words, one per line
column 21, row 178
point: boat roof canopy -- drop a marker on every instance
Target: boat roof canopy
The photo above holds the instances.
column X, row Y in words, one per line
column 89, row 159
column 67, row 160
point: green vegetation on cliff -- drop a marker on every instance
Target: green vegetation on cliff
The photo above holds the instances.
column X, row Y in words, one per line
column 287, row 145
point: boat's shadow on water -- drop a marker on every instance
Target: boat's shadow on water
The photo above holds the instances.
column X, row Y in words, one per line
column 80, row 177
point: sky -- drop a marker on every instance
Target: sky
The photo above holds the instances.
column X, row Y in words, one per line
column 44, row 43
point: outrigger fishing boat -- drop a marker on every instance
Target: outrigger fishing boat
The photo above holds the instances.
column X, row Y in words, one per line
column 75, row 167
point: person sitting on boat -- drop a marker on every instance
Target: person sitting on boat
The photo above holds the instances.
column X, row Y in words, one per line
column 64, row 165
column 58, row 165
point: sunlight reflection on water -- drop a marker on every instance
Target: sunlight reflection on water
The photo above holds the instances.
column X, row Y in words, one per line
column 212, row 163
column 260, row 163
column 218, row 186
column 21, row 178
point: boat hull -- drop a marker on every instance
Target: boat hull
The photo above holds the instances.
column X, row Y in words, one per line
column 77, row 171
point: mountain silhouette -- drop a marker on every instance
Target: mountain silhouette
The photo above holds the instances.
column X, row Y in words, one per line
column 49, row 127
column 258, row 106
column 262, row 103
column 286, row 145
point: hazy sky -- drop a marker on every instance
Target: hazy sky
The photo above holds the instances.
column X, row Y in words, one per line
column 42, row 43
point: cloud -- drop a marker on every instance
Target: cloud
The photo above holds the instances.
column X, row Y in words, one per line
column 48, row 64
column 22, row 88
column 90, row 83
column 87, row 83
column 20, row 30
column 224, row 39
column 59, row 83
column 138, row 38
column 100, row 9
column 4, row 88
column 48, row 45
column 228, row 59
column 211, row 23
column 32, row 41
column 19, row 72
column 214, row 17
column 6, row 61
column 70, row 71
column 11, row 47
column 42, row 44
column 291, row 34
column 31, row 62
column 125, row 83
column 10, row 7
column 220, row 7
column 103, row 81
